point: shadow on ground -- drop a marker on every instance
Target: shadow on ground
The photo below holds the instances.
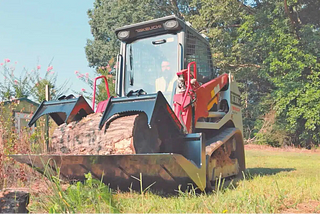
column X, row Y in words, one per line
column 252, row 172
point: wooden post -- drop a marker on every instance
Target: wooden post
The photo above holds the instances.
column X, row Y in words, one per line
column 47, row 119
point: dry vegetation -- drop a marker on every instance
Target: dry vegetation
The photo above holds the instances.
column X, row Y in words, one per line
column 13, row 174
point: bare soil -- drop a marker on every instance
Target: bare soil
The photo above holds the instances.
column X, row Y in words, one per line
column 282, row 149
column 305, row 207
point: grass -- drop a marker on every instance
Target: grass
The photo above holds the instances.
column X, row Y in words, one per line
column 275, row 181
column 91, row 196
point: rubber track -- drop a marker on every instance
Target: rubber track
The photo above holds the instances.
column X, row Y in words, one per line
column 216, row 151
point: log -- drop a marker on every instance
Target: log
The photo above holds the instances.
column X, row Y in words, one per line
column 84, row 137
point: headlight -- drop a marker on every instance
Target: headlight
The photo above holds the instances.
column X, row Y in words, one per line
column 171, row 24
column 123, row 34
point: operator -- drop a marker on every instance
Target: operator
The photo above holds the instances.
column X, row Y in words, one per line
column 168, row 77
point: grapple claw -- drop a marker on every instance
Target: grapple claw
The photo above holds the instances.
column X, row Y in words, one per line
column 63, row 111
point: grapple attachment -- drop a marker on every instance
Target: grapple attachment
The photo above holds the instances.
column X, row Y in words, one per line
column 63, row 111
column 164, row 171
column 155, row 106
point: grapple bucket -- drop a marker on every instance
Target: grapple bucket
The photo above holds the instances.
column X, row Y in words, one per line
column 63, row 111
column 165, row 171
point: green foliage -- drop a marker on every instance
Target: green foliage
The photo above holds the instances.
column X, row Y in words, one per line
column 8, row 136
column 274, row 54
column 39, row 83
column 13, row 86
column 230, row 26
column 29, row 84
column 13, row 141
column 91, row 196
column 292, row 66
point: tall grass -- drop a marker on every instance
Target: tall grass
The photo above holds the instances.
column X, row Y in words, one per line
column 12, row 141
column 91, row 196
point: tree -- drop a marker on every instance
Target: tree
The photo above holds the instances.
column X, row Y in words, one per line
column 224, row 22
column 273, row 50
column 292, row 65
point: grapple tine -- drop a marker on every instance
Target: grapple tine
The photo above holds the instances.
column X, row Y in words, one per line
column 63, row 111
column 153, row 105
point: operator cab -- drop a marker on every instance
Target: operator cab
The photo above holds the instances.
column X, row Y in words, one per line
column 152, row 52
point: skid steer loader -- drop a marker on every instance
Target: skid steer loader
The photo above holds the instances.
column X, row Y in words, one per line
column 185, row 122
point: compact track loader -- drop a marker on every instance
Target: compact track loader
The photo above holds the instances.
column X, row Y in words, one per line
column 174, row 121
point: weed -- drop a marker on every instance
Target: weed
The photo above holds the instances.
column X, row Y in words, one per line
column 90, row 196
column 13, row 141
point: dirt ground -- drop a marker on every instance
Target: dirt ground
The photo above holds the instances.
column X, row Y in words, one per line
column 305, row 207
column 282, row 149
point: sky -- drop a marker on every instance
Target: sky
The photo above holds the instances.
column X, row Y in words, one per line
column 36, row 32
